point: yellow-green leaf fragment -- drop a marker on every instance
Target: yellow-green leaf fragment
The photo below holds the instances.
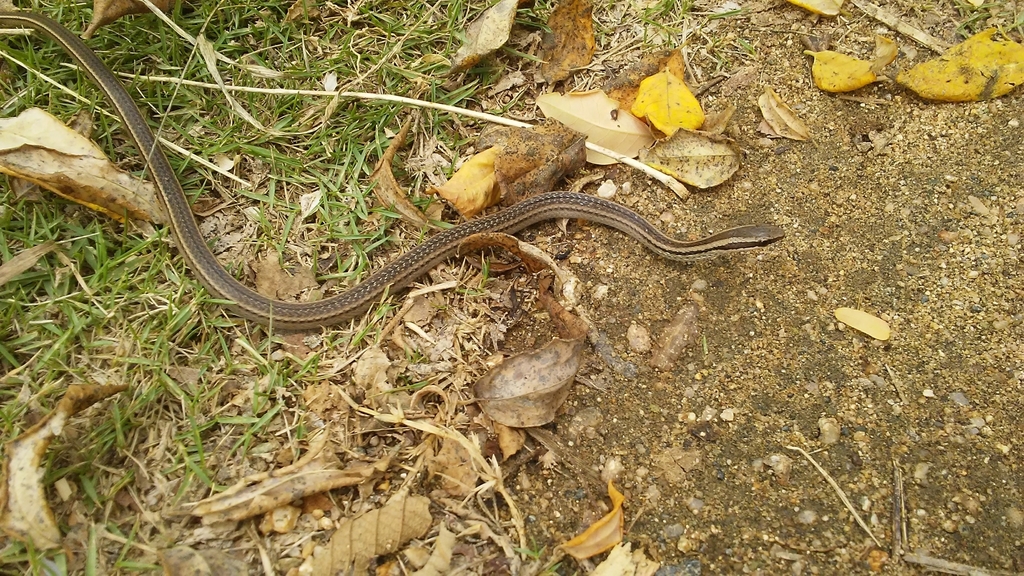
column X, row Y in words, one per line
column 861, row 321
column 823, row 7
column 979, row 68
column 667, row 103
column 835, row 72
column 696, row 158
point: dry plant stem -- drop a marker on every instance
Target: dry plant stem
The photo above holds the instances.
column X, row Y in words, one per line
column 947, row 567
column 839, row 491
column 491, row 469
column 900, row 26
column 676, row 186
column 898, row 511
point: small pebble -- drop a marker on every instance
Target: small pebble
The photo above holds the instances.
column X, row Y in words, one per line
column 949, row 526
column 281, row 520
column 960, row 399
column 612, row 469
column 1013, row 123
column 607, row 190
column 828, row 431
column 673, row 531
column 921, row 472
column 781, row 466
column 807, row 517
column 600, row 291
column 699, row 285
column 695, row 505
column 1013, row 238
column 928, row 393
column 708, row 414
column 638, row 338
column 727, row 415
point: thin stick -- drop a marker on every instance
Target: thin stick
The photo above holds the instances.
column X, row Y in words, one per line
column 839, row 491
column 899, row 509
column 948, row 567
column 893, row 21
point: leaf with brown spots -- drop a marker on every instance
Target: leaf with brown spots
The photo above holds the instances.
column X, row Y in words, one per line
column 486, row 34
column 570, row 44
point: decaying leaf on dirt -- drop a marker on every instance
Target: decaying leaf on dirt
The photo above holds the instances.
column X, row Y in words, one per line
column 680, row 334
column 377, row 532
column 386, row 188
column 601, row 119
column 106, row 11
column 823, row 7
column 602, row 535
column 182, row 560
column 716, row 122
column 533, row 160
column 473, row 187
column 570, row 44
column 453, row 463
column 489, row 32
column 622, row 562
column 317, row 471
column 835, row 72
column 273, row 281
column 527, row 389
column 24, row 260
column 40, row 148
column 440, row 559
column 24, row 512
column 667, row 103
column 510, row 440
column 779, row 119
column 696, row 158
column 979, row 68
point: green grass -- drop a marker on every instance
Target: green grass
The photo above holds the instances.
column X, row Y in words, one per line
column 145, row 312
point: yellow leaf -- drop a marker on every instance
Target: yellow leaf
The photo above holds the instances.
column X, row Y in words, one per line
column 474, row 187
column 978, row 68
column 885, row 52
column 600, row 118
column 861, row 321
column 602, row 535
column 835, row 72
column 823, row 7
column 665, row 100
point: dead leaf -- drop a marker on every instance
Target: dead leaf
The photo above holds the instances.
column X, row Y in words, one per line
column 781, row 118
column 864, row 322
column 273, row 281
column 440, row 559
column 24, row 512
column 106, row 11
column 570, row 44
column 303, row 11
column 473, row 187
column 372, row 534
column 667, row 103
column 182, row 560
column 621, row 562
column 533, row 160
column 696, row 158
column 680, row 334
column 454, row 464
column 24, row 260
column 823, row 7
column 835, row 72
column 885, row 53
column 317, row 471
column 602, row 535
column 510, row 440
column 386, row 187
column 486, row 34
column 717, row 122
column 979, row 68
column 527, row 389
column 601, row 119
column 567, row 325
column 40, row 148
